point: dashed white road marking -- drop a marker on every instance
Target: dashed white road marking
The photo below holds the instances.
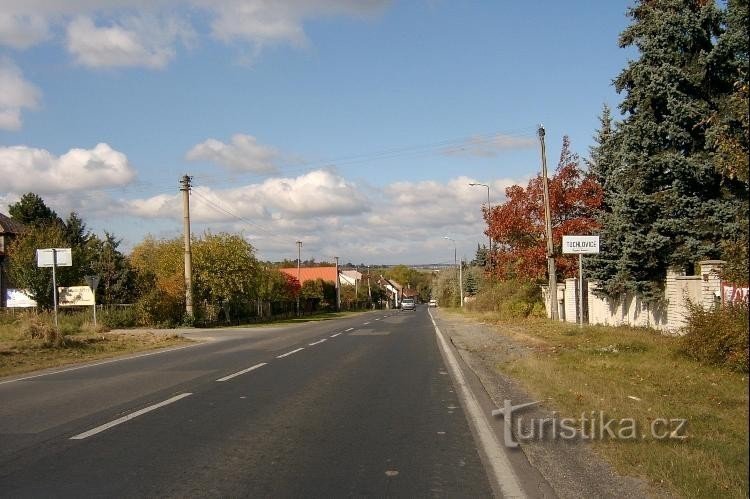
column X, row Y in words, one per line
column 240, row 373
column 334, row 335
column 317, row 342
column 366, row 323
column 289, row 353
column 128, row 417
column 350, row 329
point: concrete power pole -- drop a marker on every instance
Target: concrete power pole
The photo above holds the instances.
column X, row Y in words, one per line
column 299, row 260
column 338, row 286
column 548, row 226
column 185, row 183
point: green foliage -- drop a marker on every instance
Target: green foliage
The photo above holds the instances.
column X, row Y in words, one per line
column 32, row 211
column 23, row 270
column 718, row 336
column 509, row 300
column 665, row 203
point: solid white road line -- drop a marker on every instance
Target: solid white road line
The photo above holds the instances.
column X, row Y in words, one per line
column 128, row 417
column 289, row 353
column 122, row 359
column 240, row 373
column 502, row 470
column 334, row 335
column 350, row 329
column 317, row 342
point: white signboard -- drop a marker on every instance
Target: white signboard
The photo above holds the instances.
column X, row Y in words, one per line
column 44, row 257
column 18, row 298
column 582, row 245
column 75, row 296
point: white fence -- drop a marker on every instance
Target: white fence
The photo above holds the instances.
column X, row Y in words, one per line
column 669, row 315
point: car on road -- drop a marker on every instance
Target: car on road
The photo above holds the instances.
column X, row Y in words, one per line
column 408, row 304
column 432, row 303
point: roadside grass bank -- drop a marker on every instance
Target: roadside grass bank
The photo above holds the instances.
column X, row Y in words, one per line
column 638, row 374
column 29, row 342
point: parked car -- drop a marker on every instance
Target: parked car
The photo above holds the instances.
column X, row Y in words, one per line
column 432, row 303
column 408, row 304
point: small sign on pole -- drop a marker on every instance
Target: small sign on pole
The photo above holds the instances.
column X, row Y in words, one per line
column 580, row 245
column 54, row 257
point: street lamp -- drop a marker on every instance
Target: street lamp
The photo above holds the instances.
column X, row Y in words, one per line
column 459, row 269
column 489, row 207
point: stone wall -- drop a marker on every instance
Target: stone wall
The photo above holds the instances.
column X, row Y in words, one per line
column 669, row 316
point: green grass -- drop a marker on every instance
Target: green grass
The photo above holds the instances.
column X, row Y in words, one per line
column 580, row 369
column 20, row 353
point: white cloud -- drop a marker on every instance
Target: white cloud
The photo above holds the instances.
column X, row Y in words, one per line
column 315, row 194
column 243, row 154
column 15, row 95
column 21, row 31
column 134, row 41
column 491, row 146
column 401, row 222
column 264, row 22
column 143, row 33
column 26, row 169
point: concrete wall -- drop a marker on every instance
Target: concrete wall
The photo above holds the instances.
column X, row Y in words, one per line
column 631, row 310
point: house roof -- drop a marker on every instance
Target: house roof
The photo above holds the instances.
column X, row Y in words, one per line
column 354, row 274
column 311, row 273
column 9, row 226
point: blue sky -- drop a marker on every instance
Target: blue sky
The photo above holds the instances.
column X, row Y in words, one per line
column 352, row 126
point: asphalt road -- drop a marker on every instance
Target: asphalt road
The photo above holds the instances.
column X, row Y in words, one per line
column 361, row 406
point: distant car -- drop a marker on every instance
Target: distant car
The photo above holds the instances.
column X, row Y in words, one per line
column 433, row 303
column 408, row 304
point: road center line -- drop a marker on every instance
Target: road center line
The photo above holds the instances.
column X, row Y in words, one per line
column 128, row 417
column 240, row 373
column 317, row 342
column 502, row 470
column 350, row 329
column 334, row 335
column 289, row 353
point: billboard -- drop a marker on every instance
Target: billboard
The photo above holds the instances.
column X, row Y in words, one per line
column 18, row 298
column 75, row 296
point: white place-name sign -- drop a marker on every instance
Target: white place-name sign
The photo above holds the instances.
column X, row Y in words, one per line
column 45, row 257
column 585, row 245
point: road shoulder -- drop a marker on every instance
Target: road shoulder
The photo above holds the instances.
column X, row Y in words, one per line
column 571, row 468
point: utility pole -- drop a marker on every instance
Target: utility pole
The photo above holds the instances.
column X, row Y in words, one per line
column 548, row 226
column 369, row 291
column 185, row 183
column 338, row 286
column 299, row 260
column 461, row 281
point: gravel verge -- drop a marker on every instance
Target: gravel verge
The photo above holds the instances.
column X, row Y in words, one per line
column 571, row 467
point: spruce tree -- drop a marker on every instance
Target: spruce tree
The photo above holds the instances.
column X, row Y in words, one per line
column 665, row 206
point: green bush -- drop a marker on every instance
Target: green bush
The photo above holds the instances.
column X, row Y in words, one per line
column 718, row 336
column 509, row 299
column 119, row 317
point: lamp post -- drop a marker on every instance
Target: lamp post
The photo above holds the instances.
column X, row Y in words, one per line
column 458, row 271
column 489, row 237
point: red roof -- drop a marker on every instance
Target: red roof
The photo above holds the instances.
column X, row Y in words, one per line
column 312, row 273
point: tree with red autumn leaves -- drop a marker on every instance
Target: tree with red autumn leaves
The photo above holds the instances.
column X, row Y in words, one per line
column 517, row 225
